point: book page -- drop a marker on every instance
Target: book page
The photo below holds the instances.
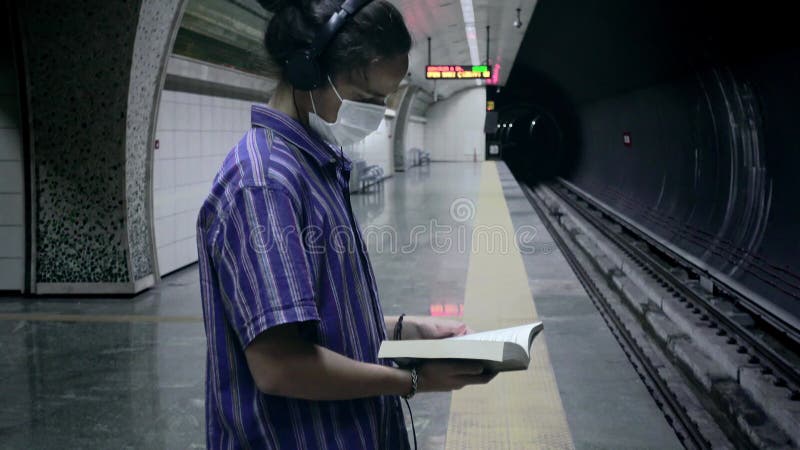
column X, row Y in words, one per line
column 518, row 335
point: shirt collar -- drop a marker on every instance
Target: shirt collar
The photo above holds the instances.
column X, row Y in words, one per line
column 290, row 129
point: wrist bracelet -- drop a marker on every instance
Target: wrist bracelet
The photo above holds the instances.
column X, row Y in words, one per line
column 398, row 328
column 414, row 378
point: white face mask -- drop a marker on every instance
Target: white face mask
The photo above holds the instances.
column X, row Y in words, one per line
column 354, row 121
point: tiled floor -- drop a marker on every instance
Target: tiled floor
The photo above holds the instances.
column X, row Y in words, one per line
column 128, row 372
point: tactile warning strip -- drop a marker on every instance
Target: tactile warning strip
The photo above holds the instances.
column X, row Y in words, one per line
column 516, row 410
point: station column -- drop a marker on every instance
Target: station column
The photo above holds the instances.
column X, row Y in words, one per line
column 94, row 74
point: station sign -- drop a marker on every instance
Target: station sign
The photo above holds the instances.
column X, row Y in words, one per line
column 450, row 72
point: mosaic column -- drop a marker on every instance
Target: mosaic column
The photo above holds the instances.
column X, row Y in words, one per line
column 95, row 71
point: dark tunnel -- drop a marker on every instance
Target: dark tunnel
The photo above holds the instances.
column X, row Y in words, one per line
column 679, row 117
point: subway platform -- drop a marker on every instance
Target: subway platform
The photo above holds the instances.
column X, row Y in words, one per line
column 449, row 239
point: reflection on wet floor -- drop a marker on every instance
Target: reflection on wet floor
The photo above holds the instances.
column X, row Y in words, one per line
column 112, row 372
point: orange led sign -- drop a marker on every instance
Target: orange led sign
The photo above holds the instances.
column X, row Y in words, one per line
column 450, row 72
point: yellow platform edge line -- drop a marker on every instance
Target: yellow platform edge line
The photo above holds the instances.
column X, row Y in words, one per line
column 516, row 410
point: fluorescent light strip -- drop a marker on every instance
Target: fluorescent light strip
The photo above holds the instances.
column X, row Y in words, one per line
column 468, row 11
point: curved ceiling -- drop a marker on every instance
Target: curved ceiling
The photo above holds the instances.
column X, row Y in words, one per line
column 229, row 33
column 451, row 27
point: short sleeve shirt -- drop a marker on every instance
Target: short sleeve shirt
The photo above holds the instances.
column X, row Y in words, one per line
column 278, row 243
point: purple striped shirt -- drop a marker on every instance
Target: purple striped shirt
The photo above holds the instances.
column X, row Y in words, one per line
column 278, row 243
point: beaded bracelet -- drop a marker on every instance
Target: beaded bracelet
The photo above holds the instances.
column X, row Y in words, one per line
column 414, row 378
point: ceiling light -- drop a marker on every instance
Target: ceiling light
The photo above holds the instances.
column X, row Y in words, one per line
column 518, row 22
column 468, row 12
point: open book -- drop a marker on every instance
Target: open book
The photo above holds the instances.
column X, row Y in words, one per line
column 499, row 350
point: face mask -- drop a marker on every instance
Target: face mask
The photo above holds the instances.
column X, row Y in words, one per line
column 354, row 121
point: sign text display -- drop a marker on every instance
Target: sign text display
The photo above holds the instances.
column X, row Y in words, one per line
column 458, row 72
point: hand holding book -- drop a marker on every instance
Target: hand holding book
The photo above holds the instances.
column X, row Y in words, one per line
column 428, row 327
column 496, row 350
column 448, row 375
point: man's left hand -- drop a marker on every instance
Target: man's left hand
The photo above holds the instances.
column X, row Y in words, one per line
column 427, row 327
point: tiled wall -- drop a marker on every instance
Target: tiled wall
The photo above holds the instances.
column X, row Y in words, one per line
column 458, row 123
column 194, row 134
column 415, row 133
column 376, row 149
column 12, row 201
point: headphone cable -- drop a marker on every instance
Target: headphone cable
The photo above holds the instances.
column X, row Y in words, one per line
column 412, row 423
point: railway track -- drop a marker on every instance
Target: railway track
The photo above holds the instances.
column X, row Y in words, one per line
column 744, row 363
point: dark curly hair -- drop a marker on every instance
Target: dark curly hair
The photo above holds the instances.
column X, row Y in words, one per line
column 375, row 31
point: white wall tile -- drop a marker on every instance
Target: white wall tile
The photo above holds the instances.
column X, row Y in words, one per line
column 186, row 251
column 453, row 132
column 165, row 231
column 13, row 245
column 195, row 165
column 199, row 193
column 206, row 143
column 194, row 121
column 195, row 144
column 181, row 172
column 233, row 120
column 11, row 177
column 179, row 200
column 12, row 203
column 182, row 144
column 185, row 224
column 164, row 202
column 166, row 145
column 179, row 97
column 158, row 168
column 12, row 209
column 182, row 116
column 207, row 118
column 211, row 165
column 168, row 172
column 167, row 259
column 12, row 274
column 10, row 144
column 195, row 133
column 219, row 117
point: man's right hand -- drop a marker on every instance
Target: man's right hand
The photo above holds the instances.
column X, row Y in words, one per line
column 439, row 376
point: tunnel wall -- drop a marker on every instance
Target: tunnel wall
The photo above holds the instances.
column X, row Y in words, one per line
column 711, row 169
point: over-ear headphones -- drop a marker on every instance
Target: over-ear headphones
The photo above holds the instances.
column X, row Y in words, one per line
column 302, row 68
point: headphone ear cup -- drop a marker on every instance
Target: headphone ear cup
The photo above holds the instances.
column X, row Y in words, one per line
column 303, row 72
